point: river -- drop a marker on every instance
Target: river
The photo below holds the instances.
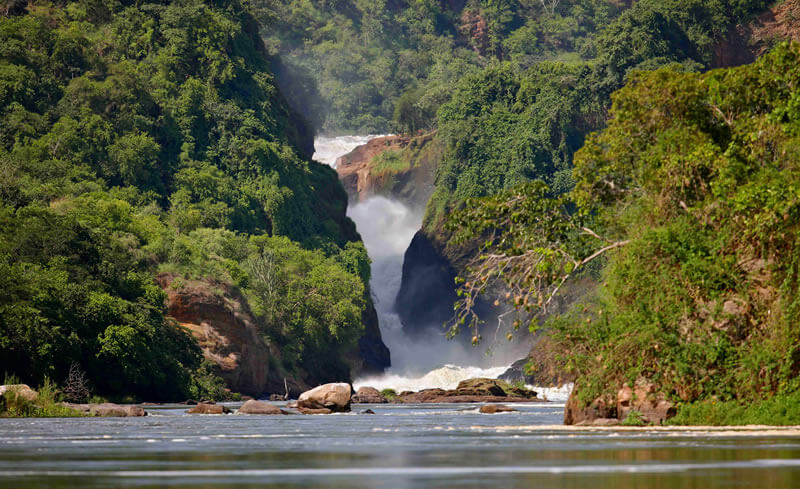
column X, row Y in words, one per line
column 400, row 446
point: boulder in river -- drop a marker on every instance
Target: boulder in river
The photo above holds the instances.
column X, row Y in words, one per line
column 496, row 408
column 368, row 395
column 108, row 410
column 204, row 408
column 304, row 410
column 259, row 407
column 335, row 397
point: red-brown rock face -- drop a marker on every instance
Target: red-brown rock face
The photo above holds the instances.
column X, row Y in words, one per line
column 225, row 330
column 744, row 43
column 411, row 182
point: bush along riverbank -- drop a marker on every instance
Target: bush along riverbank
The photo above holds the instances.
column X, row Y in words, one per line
column 20, row 401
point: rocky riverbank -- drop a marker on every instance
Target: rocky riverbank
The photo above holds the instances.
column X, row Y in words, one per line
column 324, row 399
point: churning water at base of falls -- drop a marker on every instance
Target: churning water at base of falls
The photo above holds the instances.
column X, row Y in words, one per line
column 387, row 227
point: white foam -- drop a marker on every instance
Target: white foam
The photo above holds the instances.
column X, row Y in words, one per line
column 328, row 150
column 446, row 377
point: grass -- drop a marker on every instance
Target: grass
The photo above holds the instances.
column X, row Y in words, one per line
column 389, row 394
column 780, row 410
column 634, row 418
column 46, row 404
column 390, row 162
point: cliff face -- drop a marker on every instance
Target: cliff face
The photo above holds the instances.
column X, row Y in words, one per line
column 373, row 355
column 427, row 292
column 399, row 167
column 218, row 318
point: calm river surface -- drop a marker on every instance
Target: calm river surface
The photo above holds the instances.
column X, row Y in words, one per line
column 401, row 446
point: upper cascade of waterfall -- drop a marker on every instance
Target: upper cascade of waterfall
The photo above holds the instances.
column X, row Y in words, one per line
column 329, row 149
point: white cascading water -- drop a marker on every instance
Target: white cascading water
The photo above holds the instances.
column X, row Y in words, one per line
column 327, row 150
column 387, row 227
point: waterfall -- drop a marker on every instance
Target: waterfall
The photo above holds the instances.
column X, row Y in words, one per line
column 387, row 227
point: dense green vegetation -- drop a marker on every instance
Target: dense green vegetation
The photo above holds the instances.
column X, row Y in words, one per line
column 138, row 138
column 690, row 199
column 374, row 66
column 508, row 124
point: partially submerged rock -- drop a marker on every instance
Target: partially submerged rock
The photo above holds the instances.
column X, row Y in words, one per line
column 496, row 408
column 368, row 395
column 108, row 410
column 335, row 397
column 259, row 407
column 304, row 410
column 204, row 408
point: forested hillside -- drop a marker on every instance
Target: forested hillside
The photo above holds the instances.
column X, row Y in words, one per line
column 375, row 66
column 688, row 202
column 510, row 123
column 139, row 138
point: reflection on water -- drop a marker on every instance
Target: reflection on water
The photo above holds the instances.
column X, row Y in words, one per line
column 442, row 446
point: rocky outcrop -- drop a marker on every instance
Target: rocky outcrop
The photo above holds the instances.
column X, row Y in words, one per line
column 336, row 397
column 643, row 399
column 576, row 412
column 471, row 391
column 400, row 167
column 259, row 407
column 219, row 319
column 368, row 395
column 427, row 290
column 475, row 29
column 205, row 408
column 373, row 355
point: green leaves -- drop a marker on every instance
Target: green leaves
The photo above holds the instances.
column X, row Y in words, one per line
column 153, row 137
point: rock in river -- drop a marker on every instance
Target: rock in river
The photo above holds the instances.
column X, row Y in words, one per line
column 335, row 397
column 496, row 408
column 108, row 410
column 259, row 407
column 204, row 408
column 369, row 395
